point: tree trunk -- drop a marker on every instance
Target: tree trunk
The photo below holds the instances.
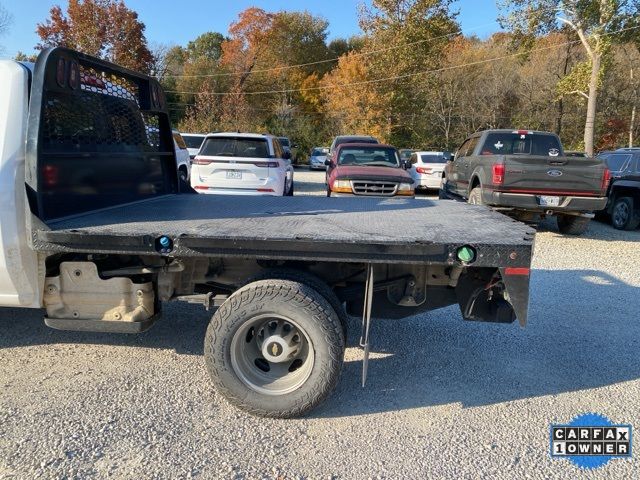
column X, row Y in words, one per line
column 632, row 122
column 589, row 126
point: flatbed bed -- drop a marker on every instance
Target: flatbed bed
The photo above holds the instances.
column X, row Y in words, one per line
column 301, row 228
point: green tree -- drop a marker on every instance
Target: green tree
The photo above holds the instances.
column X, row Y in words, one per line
column 595, row 22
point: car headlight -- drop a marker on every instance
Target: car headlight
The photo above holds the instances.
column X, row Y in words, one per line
column 405, row 189
column 341, row 186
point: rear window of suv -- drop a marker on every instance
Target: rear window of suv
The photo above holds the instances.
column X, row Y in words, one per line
column 192, row 141
column 235, row 147
column 506, row 143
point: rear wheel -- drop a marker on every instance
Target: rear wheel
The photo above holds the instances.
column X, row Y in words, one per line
column 275, row 348
column 572, row 225
column 328, row 192
column 475, row 197
column 182, row 174
column 622, row 216
column 290, row 192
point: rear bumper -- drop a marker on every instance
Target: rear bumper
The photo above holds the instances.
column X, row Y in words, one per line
column 428, row 182
column 530, row 202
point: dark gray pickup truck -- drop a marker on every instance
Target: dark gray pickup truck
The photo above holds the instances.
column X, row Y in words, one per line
column 527, row 173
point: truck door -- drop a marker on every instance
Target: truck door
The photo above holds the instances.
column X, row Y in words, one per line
column 18, row 263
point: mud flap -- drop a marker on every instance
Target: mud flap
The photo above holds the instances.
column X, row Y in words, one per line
column 516, row 282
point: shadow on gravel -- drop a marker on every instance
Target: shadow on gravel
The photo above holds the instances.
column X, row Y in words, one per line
column 583, row 333
column 181, row 328
column 598, row 230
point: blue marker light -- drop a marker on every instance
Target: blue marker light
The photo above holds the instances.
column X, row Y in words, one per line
column 165, row 241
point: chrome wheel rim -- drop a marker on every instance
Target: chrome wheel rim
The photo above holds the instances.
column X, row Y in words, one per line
column 621, row 214
column 272, row 355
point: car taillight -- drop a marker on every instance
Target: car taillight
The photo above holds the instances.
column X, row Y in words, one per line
column 606, row 178
column 424, row 170
column 498, row 174
column 201, row 161
column 50, row 175
column 266, row 164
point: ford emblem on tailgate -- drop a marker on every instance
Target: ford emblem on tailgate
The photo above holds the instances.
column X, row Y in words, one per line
column 554, row 173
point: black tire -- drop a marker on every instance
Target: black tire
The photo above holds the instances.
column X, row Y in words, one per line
column 182, row 175
column 475, row 196
column 314, row 282
column 303, row 305
column 291, row 189
column 622, row 214
column 572, row 225
column 328, row 192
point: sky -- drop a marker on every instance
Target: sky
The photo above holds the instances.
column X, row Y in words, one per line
column 177, row 22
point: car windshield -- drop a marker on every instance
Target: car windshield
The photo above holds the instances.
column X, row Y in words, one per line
column 432, row 158
column 363, row 156
column 617, row 162
column 284, row 141
column 406, row 154
column 193, row 141
column 516, row 143
column 319, row 152
column 235, row 147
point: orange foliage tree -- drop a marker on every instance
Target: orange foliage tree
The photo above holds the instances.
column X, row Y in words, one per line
column 103, row 28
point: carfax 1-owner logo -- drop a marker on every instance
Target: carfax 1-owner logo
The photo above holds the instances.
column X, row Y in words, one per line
column 591, row 441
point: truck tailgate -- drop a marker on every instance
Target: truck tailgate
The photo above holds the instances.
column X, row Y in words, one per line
column 298, row 228
column 553, row 175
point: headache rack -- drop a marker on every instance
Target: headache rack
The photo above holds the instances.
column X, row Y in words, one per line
column 98, row 136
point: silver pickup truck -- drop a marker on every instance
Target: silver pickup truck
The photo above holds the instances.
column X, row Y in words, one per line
column 527, row 173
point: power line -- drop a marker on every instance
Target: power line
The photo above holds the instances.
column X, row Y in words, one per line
column 397, row 77
column 329, row 60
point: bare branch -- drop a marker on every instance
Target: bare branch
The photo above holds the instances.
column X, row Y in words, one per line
column 578, row 92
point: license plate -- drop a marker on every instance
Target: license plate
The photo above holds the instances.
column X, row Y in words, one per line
column 233, row 175
column 549, row 201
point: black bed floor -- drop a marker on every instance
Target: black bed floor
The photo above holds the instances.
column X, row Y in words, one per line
column 372, row 220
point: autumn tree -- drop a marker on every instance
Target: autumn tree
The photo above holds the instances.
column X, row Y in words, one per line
column 408, row 36
column 595, row 22
column 103, row 28
column 353, row 104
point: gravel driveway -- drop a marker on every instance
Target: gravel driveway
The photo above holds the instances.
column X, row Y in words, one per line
column 445, row 398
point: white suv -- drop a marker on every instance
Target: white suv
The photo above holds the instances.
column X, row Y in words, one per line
column 242, row 164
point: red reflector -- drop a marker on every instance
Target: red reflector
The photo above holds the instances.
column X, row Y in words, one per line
column 517, row 271
column 199, row 187
column 50, row 175
column 423, row 170
column 265, row 190
column 498, row 174
column 606, row 178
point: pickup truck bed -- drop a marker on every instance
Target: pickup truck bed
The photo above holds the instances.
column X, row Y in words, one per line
column 300, row 228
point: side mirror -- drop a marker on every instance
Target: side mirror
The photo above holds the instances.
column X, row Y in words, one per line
column 286, row 155
column 406, row 164
column 327, row 162
column 294, row 146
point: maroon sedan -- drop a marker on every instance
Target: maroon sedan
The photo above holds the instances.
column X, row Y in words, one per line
column 366, row 169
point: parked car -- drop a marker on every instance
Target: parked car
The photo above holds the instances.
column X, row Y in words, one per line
column 525, row 173
column 183, row 161
column 427, row 169
column 366, row 169
column 194, row 142
column 339, row 140
column 318, row 157
column 623, row 207
column 405, row 154
column 242, row 164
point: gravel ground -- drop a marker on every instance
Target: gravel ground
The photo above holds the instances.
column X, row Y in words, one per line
column 445, row 398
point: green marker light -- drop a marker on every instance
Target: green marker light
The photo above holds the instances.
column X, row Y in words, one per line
column 466, row 254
